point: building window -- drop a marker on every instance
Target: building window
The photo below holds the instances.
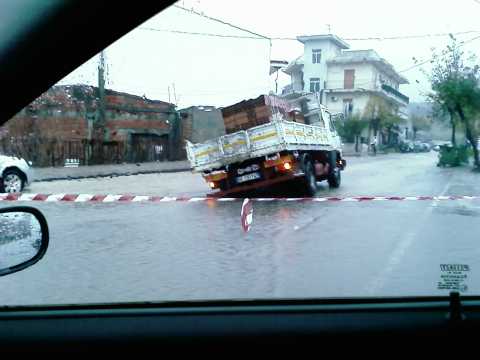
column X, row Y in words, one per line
column 347, row 107
column 349, row 79
column 314, row 85
column 316, row 56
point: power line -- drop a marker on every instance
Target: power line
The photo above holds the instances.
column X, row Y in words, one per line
column 220, row 21
column 396, row 37
column 407, row 37
column 429, row 60
column 287, row 38
column 203, row 34
column 399, row 37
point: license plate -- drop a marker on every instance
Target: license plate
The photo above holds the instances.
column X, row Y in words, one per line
column 248, row 177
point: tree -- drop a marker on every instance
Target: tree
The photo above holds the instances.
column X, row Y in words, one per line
column 442, row 113
column 381, row 115
column 455, row 88
column 420, row 123
column 351, row 128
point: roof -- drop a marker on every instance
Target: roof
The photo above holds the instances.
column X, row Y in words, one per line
column 296, row 64
column 371, row 56
column 335, row 39
column 198, row 107
column 275, row 65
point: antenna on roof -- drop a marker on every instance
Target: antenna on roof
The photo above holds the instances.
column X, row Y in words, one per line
column 329, row 28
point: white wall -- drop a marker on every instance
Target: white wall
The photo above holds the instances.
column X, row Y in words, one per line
column 359, row 100
column 297, row 78
column 364, row 75
column 310, row 70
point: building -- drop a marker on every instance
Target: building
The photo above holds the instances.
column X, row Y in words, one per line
column 76, row 122
column 199, row 124
column 352, row 82
column 356, row 76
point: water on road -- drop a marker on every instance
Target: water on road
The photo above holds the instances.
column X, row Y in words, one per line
column 190, row 251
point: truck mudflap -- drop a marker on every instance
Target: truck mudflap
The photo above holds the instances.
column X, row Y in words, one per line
column 256, row 185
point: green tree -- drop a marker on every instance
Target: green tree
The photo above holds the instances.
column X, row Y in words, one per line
column 351, row 128
column 420, row 123
column 443, row 113
column 455, row 88
column 381, row 115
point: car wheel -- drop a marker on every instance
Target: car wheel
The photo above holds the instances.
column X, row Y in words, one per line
column 12, row 181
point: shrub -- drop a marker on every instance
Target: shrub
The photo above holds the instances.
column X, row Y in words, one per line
column 453, row 155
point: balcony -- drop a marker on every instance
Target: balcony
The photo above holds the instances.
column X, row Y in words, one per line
column 395, row 93
column 291, row 92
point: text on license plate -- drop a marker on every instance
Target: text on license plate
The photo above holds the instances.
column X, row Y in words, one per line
column 248, row 177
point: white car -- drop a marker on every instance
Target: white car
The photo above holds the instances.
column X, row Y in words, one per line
column 15, row 174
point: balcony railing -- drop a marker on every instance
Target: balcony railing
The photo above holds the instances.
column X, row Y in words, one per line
column 395, row 92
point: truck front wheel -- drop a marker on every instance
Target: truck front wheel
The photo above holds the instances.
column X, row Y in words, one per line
column 310, row 181
column 335, row 178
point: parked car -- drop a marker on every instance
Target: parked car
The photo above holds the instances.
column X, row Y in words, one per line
column 406, row 147
column 426, row 147
column 15, row 174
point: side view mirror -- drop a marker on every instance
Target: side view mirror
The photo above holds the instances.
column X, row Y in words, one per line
column 23, row 238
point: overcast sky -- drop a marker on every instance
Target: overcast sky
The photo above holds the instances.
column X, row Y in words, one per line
column 214, row 70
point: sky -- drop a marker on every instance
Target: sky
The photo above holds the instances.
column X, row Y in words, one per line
column 159, row 60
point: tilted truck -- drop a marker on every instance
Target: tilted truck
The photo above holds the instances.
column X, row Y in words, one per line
column 302, row 147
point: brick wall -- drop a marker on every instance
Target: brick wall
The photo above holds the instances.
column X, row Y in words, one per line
column 63, row 115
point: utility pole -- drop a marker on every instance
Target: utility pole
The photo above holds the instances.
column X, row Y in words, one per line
column 174, row 94
column 276, row 83
column 97, row 132
column 101, row 90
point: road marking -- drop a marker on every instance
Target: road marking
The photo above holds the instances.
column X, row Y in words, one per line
column 400, row 250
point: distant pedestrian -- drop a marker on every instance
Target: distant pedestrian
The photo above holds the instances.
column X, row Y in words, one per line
column 158, row 152
column 373, row 144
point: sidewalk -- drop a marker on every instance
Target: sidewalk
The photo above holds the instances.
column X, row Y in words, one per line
column 113, row 170
column 110, row 170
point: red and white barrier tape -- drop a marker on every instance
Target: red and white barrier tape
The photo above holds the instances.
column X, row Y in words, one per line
column 138, row 198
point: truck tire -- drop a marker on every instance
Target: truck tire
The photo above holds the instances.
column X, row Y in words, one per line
column 334, row 178
column 310, row 180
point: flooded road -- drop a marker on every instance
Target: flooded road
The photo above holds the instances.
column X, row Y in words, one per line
column 190, row 251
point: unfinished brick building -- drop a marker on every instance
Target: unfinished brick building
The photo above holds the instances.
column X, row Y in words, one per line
column 75, row 122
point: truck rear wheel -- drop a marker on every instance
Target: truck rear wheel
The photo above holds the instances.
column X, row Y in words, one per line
column 310, row 181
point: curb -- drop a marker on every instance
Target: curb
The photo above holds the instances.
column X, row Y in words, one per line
column 111, row 175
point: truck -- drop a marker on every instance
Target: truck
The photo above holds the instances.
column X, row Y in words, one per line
column 270, row 141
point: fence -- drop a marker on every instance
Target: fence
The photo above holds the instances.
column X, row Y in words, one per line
column 53, row 152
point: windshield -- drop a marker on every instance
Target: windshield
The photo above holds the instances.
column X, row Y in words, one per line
column 253, row 150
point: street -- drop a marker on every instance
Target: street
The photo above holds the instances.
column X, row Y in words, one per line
column 132, row 252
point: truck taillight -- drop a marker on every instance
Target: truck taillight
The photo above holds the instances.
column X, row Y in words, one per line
column 287, row 166
column 212, row 184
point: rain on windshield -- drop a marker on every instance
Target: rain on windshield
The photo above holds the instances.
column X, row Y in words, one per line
column 257, row 151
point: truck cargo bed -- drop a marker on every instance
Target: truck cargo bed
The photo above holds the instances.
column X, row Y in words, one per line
column 258, row 141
